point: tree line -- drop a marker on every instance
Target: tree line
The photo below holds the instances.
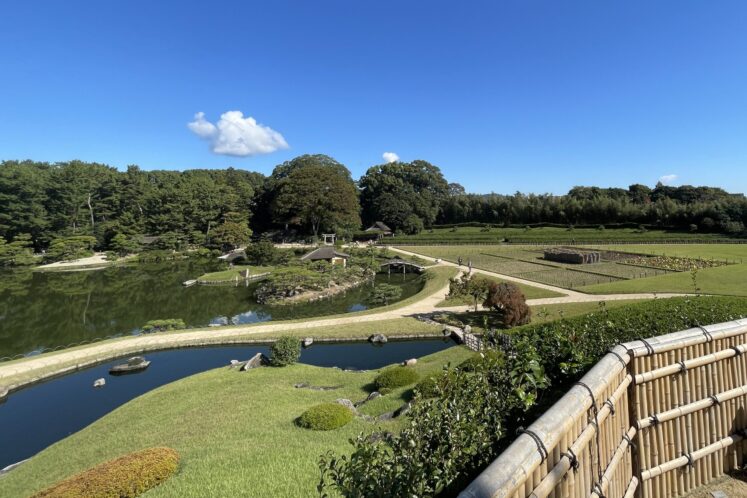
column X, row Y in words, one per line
column 306, row 196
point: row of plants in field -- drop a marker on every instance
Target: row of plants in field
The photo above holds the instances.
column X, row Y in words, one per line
column 674, row 264
column 464, row 417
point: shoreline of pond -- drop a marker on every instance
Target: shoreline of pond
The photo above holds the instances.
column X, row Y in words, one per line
column 7, row 390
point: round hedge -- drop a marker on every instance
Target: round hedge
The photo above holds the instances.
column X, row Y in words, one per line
column 325, row 417
column 392, row 378
column 285, row 351
column 124, row 477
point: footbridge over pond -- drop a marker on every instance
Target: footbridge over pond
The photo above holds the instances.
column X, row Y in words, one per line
column 403, row 266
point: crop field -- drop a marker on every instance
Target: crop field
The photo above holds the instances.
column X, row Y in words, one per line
column 549, row 235
column 613, row 275
column 527, row 262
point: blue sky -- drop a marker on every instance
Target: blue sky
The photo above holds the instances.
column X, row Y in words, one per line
column 526, row 95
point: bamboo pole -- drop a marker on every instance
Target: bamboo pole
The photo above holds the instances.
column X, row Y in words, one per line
column 614, row 462
column 701, row 404
column 694, row 456
column 707, row 359
column 555, row 475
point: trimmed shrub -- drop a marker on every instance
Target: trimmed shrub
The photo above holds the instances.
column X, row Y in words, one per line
column 285, row 351
column 325, row 417
column 162, row 325
column 124, row 477
column 395, row 377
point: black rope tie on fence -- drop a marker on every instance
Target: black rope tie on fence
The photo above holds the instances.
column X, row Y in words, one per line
column 620, row 358
column 707, row 334
column 690, row 462
column 571, row 456
column 611, row 404
column 737, row 351
column 654, row 420
column 714, row 400
column 649, row 347
column 631, row 444
column 597, row 488
column 595, row 411
column 683, row 367
column 541, row 448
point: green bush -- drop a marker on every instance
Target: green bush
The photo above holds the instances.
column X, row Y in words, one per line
column 325, row 417
column 124, row 477
column 395, row 377
column 162, row 325
column 285, row 351
column 428, row 387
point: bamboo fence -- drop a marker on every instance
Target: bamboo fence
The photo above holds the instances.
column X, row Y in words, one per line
column 653, row 418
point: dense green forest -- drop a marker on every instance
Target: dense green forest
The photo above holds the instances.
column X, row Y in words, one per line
column 93, row 205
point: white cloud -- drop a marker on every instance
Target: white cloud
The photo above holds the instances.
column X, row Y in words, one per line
column 236, row 135
column 390, row 157
column 667, row 179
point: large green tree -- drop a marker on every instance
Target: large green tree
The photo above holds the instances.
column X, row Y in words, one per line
column 400, row 194
column 315, row 193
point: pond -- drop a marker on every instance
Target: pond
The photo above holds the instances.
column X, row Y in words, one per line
column 44, row 310
column 37, row 416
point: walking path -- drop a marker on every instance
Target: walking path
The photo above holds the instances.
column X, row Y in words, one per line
column 36, row 367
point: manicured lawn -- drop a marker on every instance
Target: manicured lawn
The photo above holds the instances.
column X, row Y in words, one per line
column 726, row 280
column 731, row 252
column 233, row 273
column 234, row 430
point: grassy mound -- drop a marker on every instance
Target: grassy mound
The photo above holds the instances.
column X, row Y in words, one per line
column 325, row 417
column 124, row 477
column 428, row 387
column 392, row 378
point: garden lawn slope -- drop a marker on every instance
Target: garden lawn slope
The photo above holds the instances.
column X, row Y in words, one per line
column 234, row 431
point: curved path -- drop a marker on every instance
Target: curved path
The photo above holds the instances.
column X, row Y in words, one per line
column 36, row 367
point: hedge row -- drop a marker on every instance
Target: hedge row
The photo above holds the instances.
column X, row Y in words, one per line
column 124, row 477
column 476, row 408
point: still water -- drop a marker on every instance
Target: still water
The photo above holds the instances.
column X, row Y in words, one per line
column 44, row 310
column 33, row 418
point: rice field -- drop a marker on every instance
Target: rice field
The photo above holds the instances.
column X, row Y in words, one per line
column 527, row 262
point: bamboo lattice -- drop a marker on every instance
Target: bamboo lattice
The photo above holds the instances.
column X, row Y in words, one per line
column 653, row 418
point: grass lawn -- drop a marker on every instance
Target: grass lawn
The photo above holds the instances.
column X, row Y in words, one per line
column 724, row 280
column 730, row 252
column 234, row 431
column 233, row 273
column 540, row 314
column 467, row 235
column 530, row 292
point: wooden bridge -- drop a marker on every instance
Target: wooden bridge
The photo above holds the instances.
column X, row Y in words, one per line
column 404, row 265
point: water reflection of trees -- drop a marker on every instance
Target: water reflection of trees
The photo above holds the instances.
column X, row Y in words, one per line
column 51, row 309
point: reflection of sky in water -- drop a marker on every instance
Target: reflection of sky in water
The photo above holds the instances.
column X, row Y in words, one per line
column 241, row 318
column 357, row 307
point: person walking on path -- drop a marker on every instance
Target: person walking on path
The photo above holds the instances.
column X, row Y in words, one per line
column 459, row 261
column 469, row 264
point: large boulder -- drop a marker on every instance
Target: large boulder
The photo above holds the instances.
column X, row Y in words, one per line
column 308, row 341
column 410, row 363
column 347, row 404
column 378, row 339
column 258, row 360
